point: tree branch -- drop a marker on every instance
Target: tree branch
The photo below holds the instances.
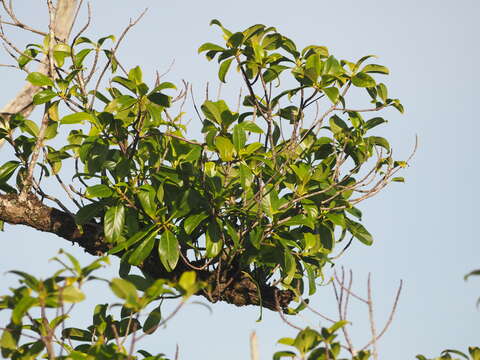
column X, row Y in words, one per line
column 232, row 286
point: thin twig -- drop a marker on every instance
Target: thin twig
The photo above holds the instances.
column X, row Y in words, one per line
column 373, row 327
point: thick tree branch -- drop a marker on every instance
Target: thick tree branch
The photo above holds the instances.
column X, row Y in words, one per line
column 232, row 286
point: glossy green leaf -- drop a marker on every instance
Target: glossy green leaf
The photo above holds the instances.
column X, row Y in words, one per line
column 77, row 334
column 359, row 231
column 138, row 236
column 168, row 250
column 7, row 170
column 160, row 99
column 289, row 266
column 21, row 308
column 210, row 46
column 225, row 148
column 114, row 221
column 222, row 72
column 382, row 91
column 77, row 118
column 192, row 222
column 98, row 191
column 332, row 93
column 239, row 137
column 379, row 141
column 284, row 354
column 337, row 125
column 30, row 127
column 326, row 237
column 377, row 69
column 152, row 321
column 370, row 124
column 143, row 249
column 43, row 96
column 363, row 80
column 88, row 212
column 147, row 195
column 39, row 79
column 251, row 127
column 214, row 241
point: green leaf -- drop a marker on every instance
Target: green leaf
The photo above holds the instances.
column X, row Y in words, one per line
column 30, row 127
column 214, row 242
column 124, row 290
column 163, row 86
column 72, row 294
column 377, row 69
column 332, row 93
column 363, row 80
column 146, row 195
column 398, row 179
column 8, row 341
column 283, row 354
column 168, row 250
column 7, row 170
column 135, row 75
column 44, row 96
column 152, row 321
column 289, row 266
column 132, row 240
column 143, row 250
column 326, row 237
column 120, row 103
column 212, row 111
column 359, row 231
column 251, row 127
column 225, row 148
column 379, row 141
column 77, row 118
column 472, row 273
column 160, row 99
column 88, row 212
column 300, row 220
column 239, row 137
column 209, row 47
column 98, row 191
column 51, row 131
column 337, row 125
column 39, row 79
column 77, row 334
column 192, row 222
column 188, row 282
column 370, row 124
column 382, row 91
column 114, row 221
column 21, row 308
column 222, row 72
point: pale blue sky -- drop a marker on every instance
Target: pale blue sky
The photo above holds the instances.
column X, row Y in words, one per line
column 425, row 230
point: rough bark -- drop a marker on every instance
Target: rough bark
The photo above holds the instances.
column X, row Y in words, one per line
column 232, row 286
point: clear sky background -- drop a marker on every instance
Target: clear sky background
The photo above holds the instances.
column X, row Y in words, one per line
column 425, row 230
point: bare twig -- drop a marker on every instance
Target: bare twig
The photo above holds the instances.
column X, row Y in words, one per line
column 131, row 24
column 373, row 327
column 390, row 317
column 254, row 346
